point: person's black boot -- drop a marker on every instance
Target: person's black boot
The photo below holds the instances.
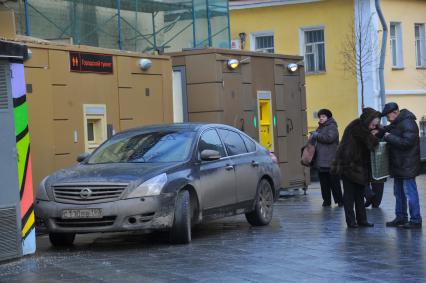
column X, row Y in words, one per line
column 367, row 203
column 396, row 223
column 412, row 225
column 365, row 224
column 352, row 225
column 326, row 204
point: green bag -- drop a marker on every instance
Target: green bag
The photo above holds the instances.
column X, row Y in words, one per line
column 380, row 162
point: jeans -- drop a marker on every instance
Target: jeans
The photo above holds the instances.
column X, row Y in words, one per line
column 406, row 189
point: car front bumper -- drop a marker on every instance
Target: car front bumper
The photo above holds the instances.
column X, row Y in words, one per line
column 147, row 213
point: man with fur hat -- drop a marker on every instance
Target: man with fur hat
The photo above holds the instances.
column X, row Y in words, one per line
column 402, row 136
column 352, row 163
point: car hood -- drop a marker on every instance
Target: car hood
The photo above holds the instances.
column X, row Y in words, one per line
column 127, row 173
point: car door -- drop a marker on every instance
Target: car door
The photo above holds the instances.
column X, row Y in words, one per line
column 245, row 164
column 217, row 177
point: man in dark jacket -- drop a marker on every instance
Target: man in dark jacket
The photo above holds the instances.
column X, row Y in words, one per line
column 402, row 135
column 327, row 139
column 352, row 163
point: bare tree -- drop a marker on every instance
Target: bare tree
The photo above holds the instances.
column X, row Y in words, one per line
column 358, row 52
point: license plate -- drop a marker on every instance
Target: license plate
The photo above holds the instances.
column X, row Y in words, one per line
column 82, row 213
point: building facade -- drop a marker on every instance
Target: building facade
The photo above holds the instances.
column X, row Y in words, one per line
column 340, row 42
column 405, row 69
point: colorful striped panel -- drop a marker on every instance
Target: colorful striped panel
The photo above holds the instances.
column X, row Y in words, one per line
column 24, row 158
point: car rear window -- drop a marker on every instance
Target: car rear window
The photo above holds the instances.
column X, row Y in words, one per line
column 233, row 142
column 251, row 145
column 161, row 146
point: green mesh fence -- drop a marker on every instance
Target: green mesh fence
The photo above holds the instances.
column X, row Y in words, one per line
column 136, row 25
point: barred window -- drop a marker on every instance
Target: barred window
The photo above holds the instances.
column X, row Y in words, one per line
column 314, row 50
column 264, row 43
column 396, row 45
column 419, row 31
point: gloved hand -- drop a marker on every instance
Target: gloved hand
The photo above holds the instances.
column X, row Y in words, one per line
column 314, row 135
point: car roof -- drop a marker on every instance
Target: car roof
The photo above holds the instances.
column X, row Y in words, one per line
column 175, row 126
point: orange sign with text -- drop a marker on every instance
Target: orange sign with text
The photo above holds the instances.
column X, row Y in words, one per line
column 90, row 63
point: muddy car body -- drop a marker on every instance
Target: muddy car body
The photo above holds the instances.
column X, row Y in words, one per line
column 166, row 177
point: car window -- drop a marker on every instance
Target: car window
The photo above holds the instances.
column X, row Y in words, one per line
column 161, row 146
column 251, row 146
column 233, row 142
column 210, row 140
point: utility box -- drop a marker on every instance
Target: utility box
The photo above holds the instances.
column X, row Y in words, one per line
column 17, row 233
column 258, row 93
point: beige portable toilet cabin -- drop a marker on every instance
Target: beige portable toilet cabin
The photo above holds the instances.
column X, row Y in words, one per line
column 78, row 96
column 258, row 93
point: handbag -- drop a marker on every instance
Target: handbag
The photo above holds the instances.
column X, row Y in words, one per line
column 380, row 162
column 308, row 154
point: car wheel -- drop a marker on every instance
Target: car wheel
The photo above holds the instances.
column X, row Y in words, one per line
column 181, row 229
column 262, row 213
column 61, row 239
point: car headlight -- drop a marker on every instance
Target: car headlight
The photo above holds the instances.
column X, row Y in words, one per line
column 41, row 192
column 151, row 187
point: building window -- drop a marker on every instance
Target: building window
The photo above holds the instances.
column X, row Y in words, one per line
column 90, row 130
column 314, row 50
column 95, row 125
column 419, row 31
column 396, row 45
column 263, row 42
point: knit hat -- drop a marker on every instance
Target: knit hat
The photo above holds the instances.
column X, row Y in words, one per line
column 325, row 112
column 368, row 115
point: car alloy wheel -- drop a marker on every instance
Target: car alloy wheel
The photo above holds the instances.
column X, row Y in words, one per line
column 266, row 201
column 263, row 210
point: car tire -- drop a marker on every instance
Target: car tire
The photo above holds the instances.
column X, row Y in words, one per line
column 263, row 209
column 181, row 229
column 61, row 239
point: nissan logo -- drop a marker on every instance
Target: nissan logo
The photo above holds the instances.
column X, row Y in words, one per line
column 85, row 193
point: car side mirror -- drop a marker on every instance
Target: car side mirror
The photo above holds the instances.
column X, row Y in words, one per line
column 210, row 155
column 82, row 156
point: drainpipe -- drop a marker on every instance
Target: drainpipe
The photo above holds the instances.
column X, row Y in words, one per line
column 382, row 52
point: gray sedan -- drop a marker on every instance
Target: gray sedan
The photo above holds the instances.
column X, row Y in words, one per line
column 166, row 177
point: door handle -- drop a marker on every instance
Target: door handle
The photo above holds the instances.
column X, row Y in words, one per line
column 289, row 125
column 229, row 167
column 255, row 163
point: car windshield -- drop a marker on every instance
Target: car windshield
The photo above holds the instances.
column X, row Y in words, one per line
column 160, row 146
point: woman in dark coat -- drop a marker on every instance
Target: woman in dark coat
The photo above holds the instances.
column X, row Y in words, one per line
column 327, row 139
column 353, row 164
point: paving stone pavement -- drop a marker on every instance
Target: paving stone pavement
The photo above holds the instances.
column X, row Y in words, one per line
column 304, row 243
